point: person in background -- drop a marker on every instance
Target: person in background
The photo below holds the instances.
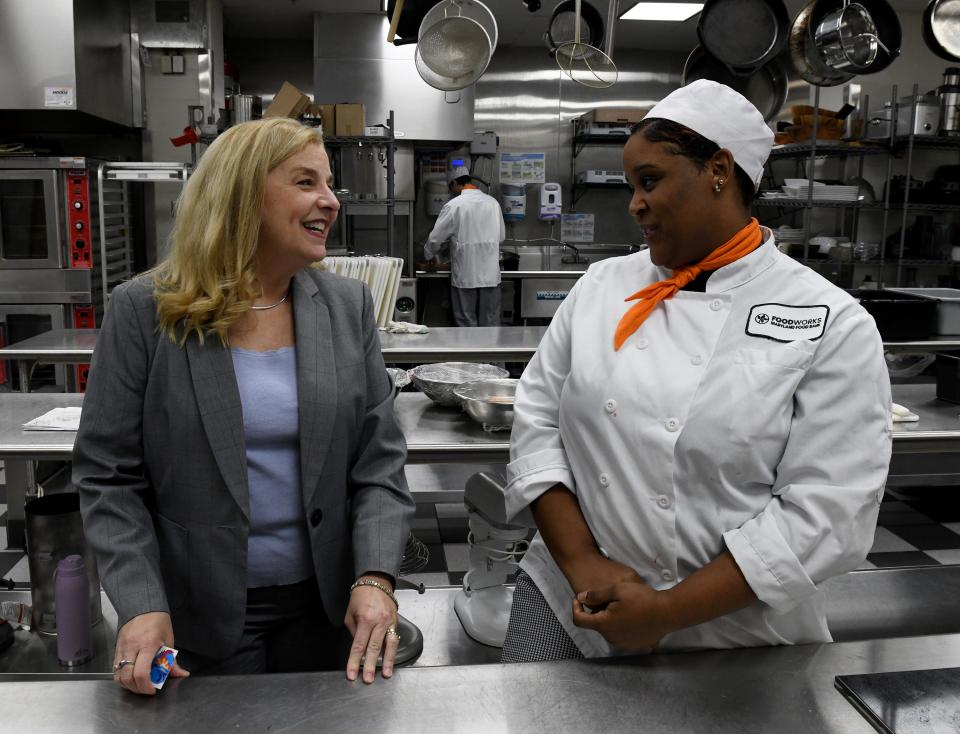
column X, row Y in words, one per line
column 239, row 466
column 700, row 460
column 472, row 222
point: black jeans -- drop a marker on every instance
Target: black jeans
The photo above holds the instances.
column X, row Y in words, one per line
column 286, row 631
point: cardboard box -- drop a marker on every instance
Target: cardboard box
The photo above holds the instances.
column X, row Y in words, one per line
column 329, row 117
column 349, row 119
column 617, row 115
column 288, row 102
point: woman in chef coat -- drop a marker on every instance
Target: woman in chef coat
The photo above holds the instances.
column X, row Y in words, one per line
column 699, row 459
column 239, row 465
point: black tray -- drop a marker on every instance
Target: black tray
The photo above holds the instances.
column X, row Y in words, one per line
column 899, row 316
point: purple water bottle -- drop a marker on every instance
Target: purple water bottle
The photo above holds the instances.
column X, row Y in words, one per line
column 71, row 597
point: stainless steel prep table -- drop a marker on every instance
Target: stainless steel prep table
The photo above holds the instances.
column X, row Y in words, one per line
column 443, row 343
column 785, row 689
column 458, row 344
column 861, row 605
column 446, row 434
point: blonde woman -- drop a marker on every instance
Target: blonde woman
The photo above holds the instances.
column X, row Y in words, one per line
column 238, row 463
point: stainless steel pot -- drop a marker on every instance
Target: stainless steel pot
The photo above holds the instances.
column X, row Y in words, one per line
column 847, row 39
column 245, row 107
column 949, row 96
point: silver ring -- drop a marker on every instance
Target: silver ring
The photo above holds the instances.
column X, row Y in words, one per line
column 120, row 664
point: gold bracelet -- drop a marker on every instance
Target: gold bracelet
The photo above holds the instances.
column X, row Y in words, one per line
column 378, row 585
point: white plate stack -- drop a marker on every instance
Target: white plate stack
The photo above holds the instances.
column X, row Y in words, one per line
column 381, row 274
column 822, row 192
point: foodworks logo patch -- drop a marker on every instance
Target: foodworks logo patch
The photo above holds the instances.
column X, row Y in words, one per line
column 784, row 323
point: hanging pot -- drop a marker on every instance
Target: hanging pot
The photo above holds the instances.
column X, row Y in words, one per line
column 847, row 39
column 743, row 34
column 941, row 28
column 804, row 55
column 808, row 60
column 889, row 33
column 766, row 88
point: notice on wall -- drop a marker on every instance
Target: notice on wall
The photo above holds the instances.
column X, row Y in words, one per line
column 523, row 168
column 58, row 97
column 576, row 227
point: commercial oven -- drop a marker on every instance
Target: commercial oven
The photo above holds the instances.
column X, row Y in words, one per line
column 53, row 268
column 45, row 213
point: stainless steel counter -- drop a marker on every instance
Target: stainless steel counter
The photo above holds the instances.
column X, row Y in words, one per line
column 452, row 343
column 763, row 690
column 447, row 434
column 442, row 343
column 862, row 605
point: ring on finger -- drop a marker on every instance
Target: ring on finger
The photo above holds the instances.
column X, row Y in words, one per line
column 120, row 664
column 392, row 632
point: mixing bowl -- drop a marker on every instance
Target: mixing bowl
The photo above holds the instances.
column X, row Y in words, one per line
column 489, row 402
column 438, row 381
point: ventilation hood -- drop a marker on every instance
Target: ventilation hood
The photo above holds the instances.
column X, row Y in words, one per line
column 70, row 56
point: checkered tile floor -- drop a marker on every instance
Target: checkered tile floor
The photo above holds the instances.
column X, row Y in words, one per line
column 919, row 528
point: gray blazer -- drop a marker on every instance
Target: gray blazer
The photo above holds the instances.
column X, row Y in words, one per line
column 160, row 461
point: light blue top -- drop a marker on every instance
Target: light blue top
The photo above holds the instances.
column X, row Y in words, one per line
column 278, row 548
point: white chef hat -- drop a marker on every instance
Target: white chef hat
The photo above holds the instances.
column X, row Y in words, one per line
column 456, row 172
column 723, row 116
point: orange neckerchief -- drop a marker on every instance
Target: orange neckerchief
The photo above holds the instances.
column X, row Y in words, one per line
column 742, row 243
column 469, row 186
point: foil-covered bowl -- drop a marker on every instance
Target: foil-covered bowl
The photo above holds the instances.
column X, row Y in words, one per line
column 438, row 381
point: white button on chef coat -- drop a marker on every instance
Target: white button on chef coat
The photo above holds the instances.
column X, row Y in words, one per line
column 666, row 574
column 696, row 359
column 610, row 406
column 745, row 473
column 672, row 424
column 604, row 480
column 641, row 343
column 716, row 304
column 663, row 501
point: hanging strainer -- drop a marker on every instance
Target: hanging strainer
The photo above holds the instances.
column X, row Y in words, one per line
column 455, row 43
column 583, row 63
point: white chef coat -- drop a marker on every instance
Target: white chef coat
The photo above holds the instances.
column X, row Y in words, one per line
column 700, row 435
column 474, row 225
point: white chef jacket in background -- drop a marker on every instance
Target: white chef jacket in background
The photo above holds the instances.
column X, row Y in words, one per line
column 473, row 223
column 696, row 437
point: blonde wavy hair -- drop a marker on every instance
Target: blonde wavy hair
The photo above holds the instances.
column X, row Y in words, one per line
column 208, row 280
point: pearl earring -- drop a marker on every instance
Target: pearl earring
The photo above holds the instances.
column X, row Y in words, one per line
column 719, row 183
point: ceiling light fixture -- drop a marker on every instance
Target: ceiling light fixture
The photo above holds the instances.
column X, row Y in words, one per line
column 383, row 5
column 662, row 11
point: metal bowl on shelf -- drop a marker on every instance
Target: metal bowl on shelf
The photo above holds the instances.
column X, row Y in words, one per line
column 489, row 402
column 438, row 381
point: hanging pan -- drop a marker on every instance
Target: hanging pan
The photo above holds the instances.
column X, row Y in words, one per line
column 766, row 88
column 562, row 26
column 941, row 28
column 743, row 34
